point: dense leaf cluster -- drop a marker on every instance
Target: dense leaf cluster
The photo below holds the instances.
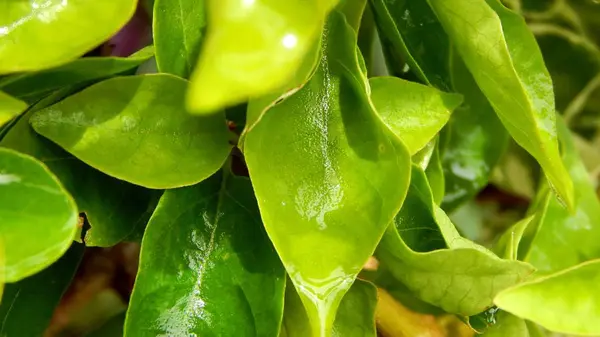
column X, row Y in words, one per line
column 263, row 151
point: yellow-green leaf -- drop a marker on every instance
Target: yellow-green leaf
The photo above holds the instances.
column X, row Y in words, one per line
column 252, row 48
column 10, row 107
column 329, row 176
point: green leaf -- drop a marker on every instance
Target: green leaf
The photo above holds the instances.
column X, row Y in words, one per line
column 207, row 267
column 39, row 218
column 32, row 86
column 28, row 305
column 253, row 48
column 565, row 239
column 435, row 175
column 416, row 37
column 99, row 196
column 120, row 127
column 329, row 176
column 10, row 107
column 507, row 246
column 567, row 301
column 475, row 140
column 507, row 325
column 414, row 112
column 503, row 57
column 355, row 316
column 178, row 29
column 461, row 281
column 75, row 26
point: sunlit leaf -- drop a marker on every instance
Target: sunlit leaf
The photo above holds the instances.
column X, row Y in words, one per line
column 503, row 57
column 10, row 107
column 136, row 129
column 414, row 112
column 113, row 208
column 253, row 48
column 39, row 217
column 76, row 26
column 329, row 176
column 567, row 301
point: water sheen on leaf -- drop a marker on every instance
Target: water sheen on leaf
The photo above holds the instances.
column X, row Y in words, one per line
column 39, row 218
column 10, row 107
column 178, row 29
column 329, row 176
column 414, row 112
column 75, row 26
column 253, row 48
column 34, row 85
column 503, row 57
column 354, row 318
column 207, row 267
column 475, row 140
column 566, row 302
column 137, row 129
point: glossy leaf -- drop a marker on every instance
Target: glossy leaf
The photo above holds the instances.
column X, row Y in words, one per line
column 565, row 239
column 414, row 112
column 32, row 86
column 475, row 140
column 501, row 53
column 39, row 218
column 329, row 176
column 507, row 325
column 34, row 299
column 136, row 129
column 507, row 246
column 567, row 301
column 178, row 29
column 113, row 208
column 253, row 48
column 355, row 316
column 75, row 26
column 207, row 267
column 415, row 36
column 10, row 107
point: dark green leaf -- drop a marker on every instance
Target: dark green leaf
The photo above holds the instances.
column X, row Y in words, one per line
column 137, row 129
column 74, row 26
column 32, row 86
column 253, row 48
column 567, row 301
column 207, row 267
column 414, row 112
column 178, row 31
column 329, row 176
column 39, row 217
column 28, row 305
column 114, row 208
column 416, row 37
column 475, row 140
column 503, row 57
